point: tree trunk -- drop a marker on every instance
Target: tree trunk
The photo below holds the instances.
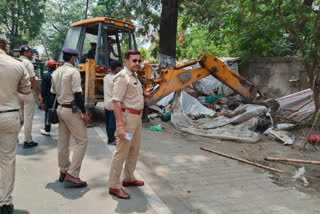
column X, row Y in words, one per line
column 314, row 86
column 85, row 16
column 168, row 33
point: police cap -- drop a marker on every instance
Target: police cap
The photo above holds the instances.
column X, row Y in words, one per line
column 24, row 48
column 70, row 51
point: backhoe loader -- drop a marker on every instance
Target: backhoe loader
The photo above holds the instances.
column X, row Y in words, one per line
column 171, row 79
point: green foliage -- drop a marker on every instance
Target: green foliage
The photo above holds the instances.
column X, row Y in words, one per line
column 146, row 13
column 106, row 8
column 59, row 15
column 144, row 54
column 21, row 20
column 199, row 40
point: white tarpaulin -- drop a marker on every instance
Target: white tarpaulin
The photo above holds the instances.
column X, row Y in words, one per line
column 238, row 128
column 192, row 106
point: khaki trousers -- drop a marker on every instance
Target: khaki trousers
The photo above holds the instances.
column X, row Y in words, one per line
column 126, row 151
column 9, row 130
column 27, row 107
column 71, row 124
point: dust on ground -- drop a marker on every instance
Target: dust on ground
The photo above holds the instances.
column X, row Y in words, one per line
column 268, row 147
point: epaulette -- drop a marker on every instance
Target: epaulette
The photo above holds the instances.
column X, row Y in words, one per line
column 18, row 59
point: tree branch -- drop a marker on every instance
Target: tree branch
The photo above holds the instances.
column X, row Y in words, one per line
column 293, row 32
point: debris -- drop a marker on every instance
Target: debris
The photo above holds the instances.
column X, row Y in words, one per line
column 312, row 127
column 213, row 98
column 156, row 128
column 153, row 116
column 292, row 160
column 314, row 139
column 299, row 105
column 165, row 116
column 241, row 160
column 282, row 136
column 300, row 174
column 285, row 126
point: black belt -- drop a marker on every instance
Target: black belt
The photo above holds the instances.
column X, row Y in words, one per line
column 12, row 110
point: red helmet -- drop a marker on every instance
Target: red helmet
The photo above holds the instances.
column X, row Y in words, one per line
column 51, row 63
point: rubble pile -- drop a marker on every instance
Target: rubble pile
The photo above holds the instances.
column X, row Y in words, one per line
column 211, row 109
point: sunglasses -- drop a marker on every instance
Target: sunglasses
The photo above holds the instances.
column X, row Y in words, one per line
column 135, row 61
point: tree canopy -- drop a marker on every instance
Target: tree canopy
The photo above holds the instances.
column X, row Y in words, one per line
column 21, row 20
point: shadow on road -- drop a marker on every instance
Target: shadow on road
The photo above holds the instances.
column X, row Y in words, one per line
column 69, row 193
column 20, row 212
column 136, row 204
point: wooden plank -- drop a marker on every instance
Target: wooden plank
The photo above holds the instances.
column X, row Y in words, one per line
column 241, row 160
column 292, row 160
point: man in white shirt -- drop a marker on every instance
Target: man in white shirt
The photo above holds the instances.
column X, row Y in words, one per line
column 110, row 119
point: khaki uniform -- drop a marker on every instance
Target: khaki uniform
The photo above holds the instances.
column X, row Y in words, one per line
column 128, row 90
column 13, row 77
column 107, row 89
column 27, row 103
column 70, row 124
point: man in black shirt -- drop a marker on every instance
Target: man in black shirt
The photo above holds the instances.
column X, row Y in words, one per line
column 48, row 97
column 92, row 51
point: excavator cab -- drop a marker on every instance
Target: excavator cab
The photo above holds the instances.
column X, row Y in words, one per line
column 98, row 30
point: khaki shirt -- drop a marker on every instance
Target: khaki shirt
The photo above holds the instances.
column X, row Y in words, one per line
column 107, row 91
column 13, row 77
column 128, row 90
column 29, row 66
column 70, row 84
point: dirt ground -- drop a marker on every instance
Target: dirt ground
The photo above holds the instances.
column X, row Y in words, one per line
column 268, row 147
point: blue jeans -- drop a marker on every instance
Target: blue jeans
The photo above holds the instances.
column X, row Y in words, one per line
column 110, row 125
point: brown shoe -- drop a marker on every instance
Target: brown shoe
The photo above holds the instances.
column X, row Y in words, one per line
column 62, row 177
column 120, row 193
column 71, row 181
column 132, row 183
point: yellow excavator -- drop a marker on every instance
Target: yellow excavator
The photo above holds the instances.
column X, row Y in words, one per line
column 171, row 79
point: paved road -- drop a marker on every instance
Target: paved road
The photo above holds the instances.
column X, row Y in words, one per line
column 180, row 178
column 38, row 191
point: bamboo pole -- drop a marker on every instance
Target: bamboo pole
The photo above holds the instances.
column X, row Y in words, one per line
column 292, row 160
column 241, row 160
column 310, row 132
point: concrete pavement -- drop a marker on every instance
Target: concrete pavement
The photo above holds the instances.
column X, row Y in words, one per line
column 180, row 178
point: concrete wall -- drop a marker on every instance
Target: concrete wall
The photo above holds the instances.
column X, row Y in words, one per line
column 275, row 76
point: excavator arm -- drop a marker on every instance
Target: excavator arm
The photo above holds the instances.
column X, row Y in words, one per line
column 171, row 80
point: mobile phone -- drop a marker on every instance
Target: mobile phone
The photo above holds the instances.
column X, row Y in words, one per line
column 128, row 136
column 154, row 88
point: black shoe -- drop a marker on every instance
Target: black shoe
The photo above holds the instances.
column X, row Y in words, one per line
column 29, row 145
column 6, row 209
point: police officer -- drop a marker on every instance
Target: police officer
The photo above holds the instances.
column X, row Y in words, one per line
column 66, row 84
column 48, row 97
column 128, row 103
column 28, row 102
column 13, row 78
